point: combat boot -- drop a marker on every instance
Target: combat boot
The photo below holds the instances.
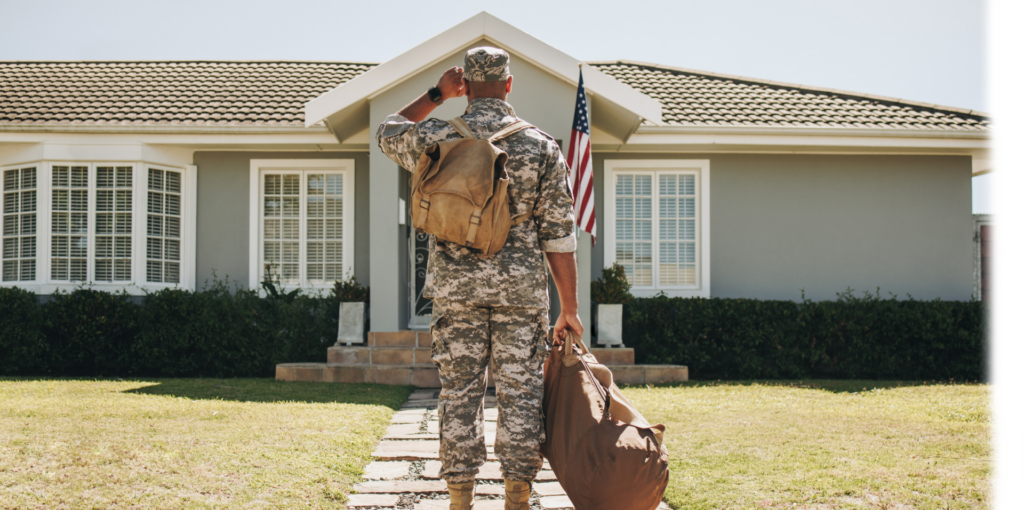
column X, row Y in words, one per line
column 517, row 495
column 461, row 495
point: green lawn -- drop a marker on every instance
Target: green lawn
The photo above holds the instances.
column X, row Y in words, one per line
column 187, row 443
column 823, row 444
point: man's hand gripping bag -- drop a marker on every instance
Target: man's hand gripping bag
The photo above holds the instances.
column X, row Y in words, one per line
column 604, row 453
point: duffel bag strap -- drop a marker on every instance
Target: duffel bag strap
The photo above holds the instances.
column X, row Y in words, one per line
column 462, row 128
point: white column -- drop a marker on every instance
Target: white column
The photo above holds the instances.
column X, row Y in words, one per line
column 583, row 256
column 384, row 269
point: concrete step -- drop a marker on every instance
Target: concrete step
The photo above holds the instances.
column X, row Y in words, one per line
column 425, row 376
column 406, row 355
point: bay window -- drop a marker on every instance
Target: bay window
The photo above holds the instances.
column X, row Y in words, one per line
column 118, row 224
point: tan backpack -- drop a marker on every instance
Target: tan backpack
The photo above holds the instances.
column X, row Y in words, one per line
column 460, row 190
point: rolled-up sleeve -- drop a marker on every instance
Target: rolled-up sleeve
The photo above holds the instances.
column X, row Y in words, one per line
column 553, row 211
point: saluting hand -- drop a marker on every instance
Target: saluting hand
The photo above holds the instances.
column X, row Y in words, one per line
column 451, row 84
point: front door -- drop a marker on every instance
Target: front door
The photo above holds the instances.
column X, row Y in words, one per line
column 419, row 250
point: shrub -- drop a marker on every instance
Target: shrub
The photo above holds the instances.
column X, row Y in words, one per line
column 217, row 332
column 89, row 332
column 612, row 288
column 22, row 343
column 350, row 291
column 852, row 337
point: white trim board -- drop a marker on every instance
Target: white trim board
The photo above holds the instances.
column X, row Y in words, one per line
column 256, row 166
column 481, row 26
column 703, row 171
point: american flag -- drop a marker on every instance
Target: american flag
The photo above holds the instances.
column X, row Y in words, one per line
column 581, row 171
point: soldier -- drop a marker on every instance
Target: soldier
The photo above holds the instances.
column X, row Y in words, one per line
column 494, row 311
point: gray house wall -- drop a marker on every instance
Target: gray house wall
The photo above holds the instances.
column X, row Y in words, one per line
column 222, row 209
column 822, row 223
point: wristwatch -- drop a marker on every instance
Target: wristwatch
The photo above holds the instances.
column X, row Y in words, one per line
column 435, row 95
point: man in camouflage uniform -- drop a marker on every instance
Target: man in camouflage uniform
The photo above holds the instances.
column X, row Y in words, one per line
column 493, row 311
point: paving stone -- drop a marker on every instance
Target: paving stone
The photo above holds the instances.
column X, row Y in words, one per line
column 400, row 487
column 402, row 429
column 549, row 489
column 407, row 418
column 545, row 476
column 484, row 489
column 423, row 395
column 553, row 502
column 410, row 437
column 443, row 504
column 387, row 470
column 433, row 426
column 407, row 450
column 420, row 403
column 374, row 500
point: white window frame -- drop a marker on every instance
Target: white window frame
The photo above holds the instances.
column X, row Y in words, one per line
column 259, row 167
column 138, row 284
column 40, row 192
column 701, row 168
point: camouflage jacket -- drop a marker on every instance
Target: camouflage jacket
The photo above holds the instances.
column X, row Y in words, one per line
column 516, row 275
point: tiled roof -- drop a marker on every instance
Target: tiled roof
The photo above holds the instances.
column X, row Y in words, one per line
column 165, row 93
column 697, row 98
column 212, row 94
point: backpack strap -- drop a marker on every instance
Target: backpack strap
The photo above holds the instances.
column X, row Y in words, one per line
column 510, row 129
column 462, row 128
column 522, row 217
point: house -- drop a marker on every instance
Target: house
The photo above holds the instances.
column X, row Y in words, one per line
column 144, row 175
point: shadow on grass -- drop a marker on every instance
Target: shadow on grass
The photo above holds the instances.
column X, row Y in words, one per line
column 273, row 391
column 833, row 385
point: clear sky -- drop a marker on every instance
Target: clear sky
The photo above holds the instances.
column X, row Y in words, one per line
column 925, row 50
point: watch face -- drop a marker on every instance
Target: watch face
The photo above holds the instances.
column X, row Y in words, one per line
column 435, row 94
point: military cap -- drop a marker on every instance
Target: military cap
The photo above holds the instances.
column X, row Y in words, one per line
column 486, row 64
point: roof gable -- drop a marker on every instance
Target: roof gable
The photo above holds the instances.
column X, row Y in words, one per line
column 612, row 99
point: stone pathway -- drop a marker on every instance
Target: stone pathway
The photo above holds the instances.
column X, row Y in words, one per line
column 404, row 471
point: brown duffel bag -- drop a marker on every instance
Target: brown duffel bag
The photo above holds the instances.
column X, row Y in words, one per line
column 603, row 452
column 460, row 190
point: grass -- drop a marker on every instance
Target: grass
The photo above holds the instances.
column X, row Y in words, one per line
column 823, row 444
column 187, row 443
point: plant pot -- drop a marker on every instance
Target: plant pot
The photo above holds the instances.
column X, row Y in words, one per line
column 353, row 319
column 609, row 325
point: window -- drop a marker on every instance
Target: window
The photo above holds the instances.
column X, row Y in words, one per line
column 303, row 222
column 69, row 223
column 19, row 220
column 117, row 224
column 656, row 222
column 163, row 227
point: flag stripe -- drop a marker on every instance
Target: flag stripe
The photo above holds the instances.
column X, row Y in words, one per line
column 581, row 171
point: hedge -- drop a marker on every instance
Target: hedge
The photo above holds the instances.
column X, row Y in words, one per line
column 169, row 333
column 223, row 333
column 852, row 337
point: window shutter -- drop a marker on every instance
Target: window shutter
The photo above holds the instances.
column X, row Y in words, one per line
column 633, row 233
column 19, row 225
column 69, row 223
column 677, row 241
column 113, row 260
column 163, row 226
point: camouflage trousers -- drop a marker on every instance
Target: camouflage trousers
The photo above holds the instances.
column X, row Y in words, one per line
column 512, row 341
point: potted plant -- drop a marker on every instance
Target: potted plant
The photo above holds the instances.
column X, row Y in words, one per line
column 353, row 311
column 609, row 293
